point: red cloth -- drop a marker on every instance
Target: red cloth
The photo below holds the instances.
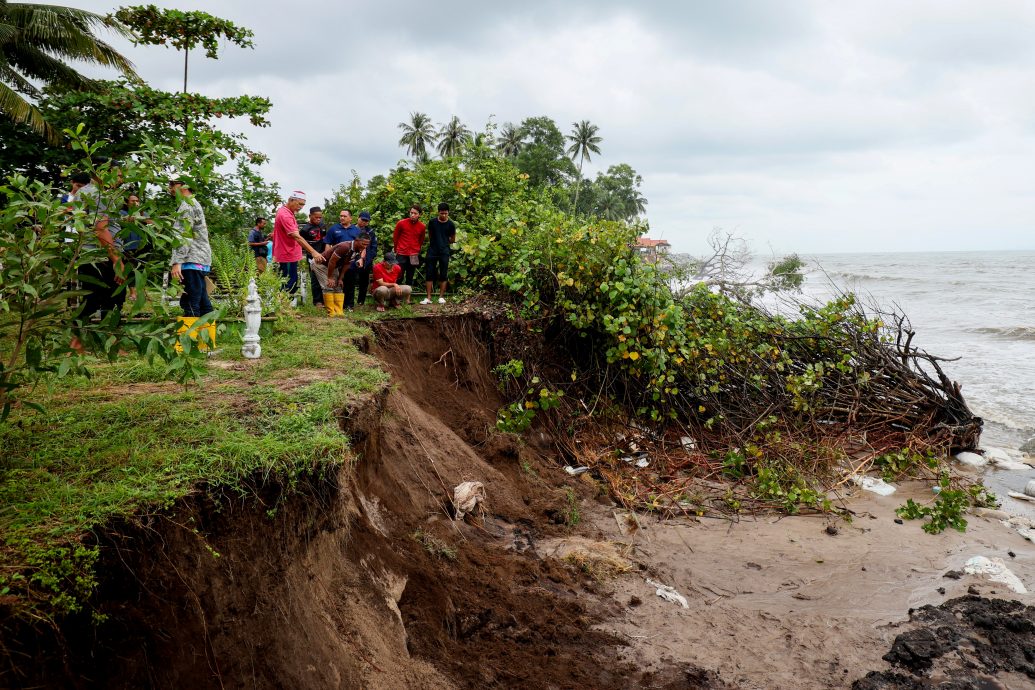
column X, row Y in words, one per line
column 382, row 272
column 285, row 248
column 408, row 237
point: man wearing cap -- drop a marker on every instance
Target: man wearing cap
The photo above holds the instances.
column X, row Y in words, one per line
column 192, row 259
column 407, row 239
column 441, row 234
column 358, row 276
column 385, row 286
column 312, row 232
column 288, row 243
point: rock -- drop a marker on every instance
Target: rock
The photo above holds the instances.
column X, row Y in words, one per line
column 953, row 575
column 1029, row 488
column 1019, row 496
column 971, row 459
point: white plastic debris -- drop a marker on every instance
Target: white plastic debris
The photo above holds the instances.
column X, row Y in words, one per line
column 668, row 593
column 996, row 571
column 1004, row 459
column 873, row 484
column 972, row 459
column 1024, row 526
column 627, row 459
column 575, row 471
column 642, row 462
column 467, row 497
column 688, row 443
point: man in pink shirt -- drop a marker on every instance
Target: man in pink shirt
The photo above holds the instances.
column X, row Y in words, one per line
column 288, row 243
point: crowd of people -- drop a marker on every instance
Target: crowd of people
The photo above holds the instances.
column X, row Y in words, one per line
column 114, row 230
column 342, row 259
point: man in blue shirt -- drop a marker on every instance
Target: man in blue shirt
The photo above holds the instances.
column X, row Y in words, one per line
column 358, row 275
column 339, row 232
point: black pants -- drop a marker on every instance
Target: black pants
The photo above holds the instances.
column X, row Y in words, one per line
column 362, row 285
column 408, row 270
column 314, row 283
column 289, row 271
column 354, row 278
column 103, row 294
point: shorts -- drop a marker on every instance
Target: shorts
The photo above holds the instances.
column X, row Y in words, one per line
column 435, row 268
column 320, row 272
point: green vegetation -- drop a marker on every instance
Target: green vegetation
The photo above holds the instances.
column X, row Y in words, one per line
column 124, row 446
column 949, row 507
column 37, row 43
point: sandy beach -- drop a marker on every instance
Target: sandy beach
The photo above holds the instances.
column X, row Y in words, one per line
column 793, row 602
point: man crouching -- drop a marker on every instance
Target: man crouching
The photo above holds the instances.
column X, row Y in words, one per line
column 337, row 259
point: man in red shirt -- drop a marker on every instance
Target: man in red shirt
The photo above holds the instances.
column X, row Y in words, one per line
column 384, row 284
column 406, row 241
column 288, row 243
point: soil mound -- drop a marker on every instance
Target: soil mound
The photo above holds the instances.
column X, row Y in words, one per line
column 967, row 642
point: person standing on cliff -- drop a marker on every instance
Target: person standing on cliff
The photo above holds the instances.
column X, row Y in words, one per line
column 407, row 239
column 313, row 232
column 192, row 260
column 288, row 243
column 441, row 234
column 358, row 276
column 257, row 242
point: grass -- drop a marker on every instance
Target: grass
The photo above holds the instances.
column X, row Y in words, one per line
column 126, row 443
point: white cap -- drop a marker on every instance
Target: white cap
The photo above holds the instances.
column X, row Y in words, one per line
column 297, row 195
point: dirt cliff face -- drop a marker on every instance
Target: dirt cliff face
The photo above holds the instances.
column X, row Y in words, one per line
column 362, row 579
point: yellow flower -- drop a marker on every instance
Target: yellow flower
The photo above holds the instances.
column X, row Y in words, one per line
column 634, row 356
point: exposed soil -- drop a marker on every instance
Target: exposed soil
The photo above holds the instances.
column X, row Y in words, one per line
column 968, row 642
column 365, row 580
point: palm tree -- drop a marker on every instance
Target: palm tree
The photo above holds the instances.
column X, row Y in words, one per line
column 35, row 43
column 452, row 137
column 584, row 141
column 510, row 141
column 418, row 135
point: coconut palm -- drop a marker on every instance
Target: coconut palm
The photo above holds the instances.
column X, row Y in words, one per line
column 452, row 137
column 584, row 141
column 35, row 43
column 418, row 135
column 510, row 141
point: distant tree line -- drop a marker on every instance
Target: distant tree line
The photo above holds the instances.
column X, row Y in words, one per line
column 538, row 148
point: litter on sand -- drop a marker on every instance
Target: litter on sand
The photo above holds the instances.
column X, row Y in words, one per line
column 467, row 497
column 996, row 571
column 972, row 459
column 668, row 593
column 873, row 484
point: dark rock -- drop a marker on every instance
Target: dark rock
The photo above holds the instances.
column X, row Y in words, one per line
column 898, row 521
column 954, row 574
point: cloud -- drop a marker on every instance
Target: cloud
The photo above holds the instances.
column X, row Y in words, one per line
column 808, row 126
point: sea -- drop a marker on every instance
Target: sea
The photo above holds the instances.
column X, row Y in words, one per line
column 976, row 310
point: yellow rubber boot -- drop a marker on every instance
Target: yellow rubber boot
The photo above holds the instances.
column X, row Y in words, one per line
column 186, row 324
column 211, row 328
column 328, row 301
column 339, row 303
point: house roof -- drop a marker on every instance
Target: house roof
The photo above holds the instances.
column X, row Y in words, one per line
column 646, row 243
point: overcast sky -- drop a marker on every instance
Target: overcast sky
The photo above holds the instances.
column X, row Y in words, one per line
column 802, row 126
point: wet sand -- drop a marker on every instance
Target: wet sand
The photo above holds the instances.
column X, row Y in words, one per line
column 782, row 602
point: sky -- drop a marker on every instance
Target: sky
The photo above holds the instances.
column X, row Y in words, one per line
column 801, row 126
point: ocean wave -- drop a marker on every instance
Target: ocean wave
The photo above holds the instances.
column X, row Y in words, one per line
column 1006, row 332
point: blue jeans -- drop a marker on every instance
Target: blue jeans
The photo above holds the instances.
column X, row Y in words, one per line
column 289, row 270
column 194, row 301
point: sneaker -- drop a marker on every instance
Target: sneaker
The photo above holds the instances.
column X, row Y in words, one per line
column 425, row 301
column 441, row 300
